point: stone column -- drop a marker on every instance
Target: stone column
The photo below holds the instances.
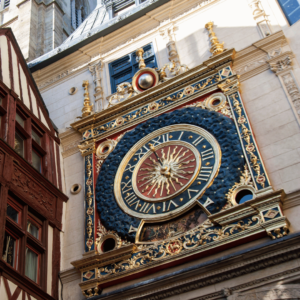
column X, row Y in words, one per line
column 96, row 68
column 282, row 66
column 168, row 35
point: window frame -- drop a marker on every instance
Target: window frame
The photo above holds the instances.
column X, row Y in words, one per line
column 38, row 277
column 3, row 112
column 29, row 143
column 133, row 66
column 18, row 208
column 37, row 223
column 25, row 239
column 17, row 238
column 286, row 15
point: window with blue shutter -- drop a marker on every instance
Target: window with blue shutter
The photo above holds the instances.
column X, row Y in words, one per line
column 291, row 9
column 123, row 69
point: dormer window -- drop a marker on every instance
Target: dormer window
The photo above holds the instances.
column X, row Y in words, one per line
column 123, row 69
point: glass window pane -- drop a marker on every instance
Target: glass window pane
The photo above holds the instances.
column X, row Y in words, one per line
column 31, row 265
column 36, row 161
column 19, row 144
column 20, row 120
column 33, row 229
column 9, row 250
column 36, row 137
column 12, row 213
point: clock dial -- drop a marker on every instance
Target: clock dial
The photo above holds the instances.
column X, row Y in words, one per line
column 167, row 171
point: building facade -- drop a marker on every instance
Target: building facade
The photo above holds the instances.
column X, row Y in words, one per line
column 41, row 26
column 32, row 200
column 180, row 141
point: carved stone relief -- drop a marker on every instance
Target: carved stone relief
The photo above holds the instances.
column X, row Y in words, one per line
column 288, row 291
column 96, row 68
column 284, row 70
column 260, row 17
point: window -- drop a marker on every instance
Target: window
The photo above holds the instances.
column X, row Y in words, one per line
column 36, row 161
column 122, row 6
column 4, row 4
column 123, row 69
column 31, row 264
column 36, row 137
column 20, row 120
column 10, row 250
column 24, row 247
column 2, row 112
column 34, row 227
column 12, row 213
column 19, row 144
column 29, row 140
column 291, row 9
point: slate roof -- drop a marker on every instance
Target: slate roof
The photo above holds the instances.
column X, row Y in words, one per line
column 96, row 25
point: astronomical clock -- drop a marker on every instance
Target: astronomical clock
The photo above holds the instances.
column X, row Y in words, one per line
column 172, row 171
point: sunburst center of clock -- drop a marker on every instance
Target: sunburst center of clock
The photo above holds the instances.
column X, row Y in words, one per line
column 166, row 171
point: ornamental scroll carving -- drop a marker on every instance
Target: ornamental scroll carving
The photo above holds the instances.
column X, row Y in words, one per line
column 34, row 191
column 284, row 70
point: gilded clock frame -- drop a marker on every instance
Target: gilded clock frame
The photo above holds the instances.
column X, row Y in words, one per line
column 177, row 127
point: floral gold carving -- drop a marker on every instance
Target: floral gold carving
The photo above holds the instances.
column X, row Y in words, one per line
column 108, row 145
column 250, row 148
column 245, row 181
column 89, row 202
column 87, row 106
column 216, row 47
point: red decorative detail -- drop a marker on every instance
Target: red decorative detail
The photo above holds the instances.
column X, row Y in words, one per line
column 242, row 120
column 171, row 156
column 89, row 211
column 89, row 243
column 137, row 80
column 250, row 148
column 260, row 179
column 174, row 247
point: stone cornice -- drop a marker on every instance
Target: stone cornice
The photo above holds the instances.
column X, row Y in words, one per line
column 117, row 40
column 9, row 22
column 215, row 271
column 205, row 69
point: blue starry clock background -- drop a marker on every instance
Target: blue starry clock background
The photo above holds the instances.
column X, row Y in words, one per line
column 233, row 161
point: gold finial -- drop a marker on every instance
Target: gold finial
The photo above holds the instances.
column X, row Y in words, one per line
column 87, row 106
column 139, row 53
column 152, row 148
column 216, row 47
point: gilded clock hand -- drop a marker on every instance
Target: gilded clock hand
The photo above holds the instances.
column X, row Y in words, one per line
column 152, row 148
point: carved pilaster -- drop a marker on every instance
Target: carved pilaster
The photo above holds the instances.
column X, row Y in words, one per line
column 282, row 66
column 168, row 35
column 260, row 17
column 96, row 69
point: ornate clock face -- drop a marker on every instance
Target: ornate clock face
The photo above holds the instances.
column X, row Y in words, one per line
column 167, row 171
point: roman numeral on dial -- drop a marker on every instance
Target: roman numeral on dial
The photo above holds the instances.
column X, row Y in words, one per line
column 198, row 140
column 207, row 154
column 205, row 173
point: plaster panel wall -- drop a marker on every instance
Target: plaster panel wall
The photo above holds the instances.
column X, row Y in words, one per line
column 72, row 290
column 63, row 107
column 236, row 30
column 73, row 238
column 276, row 129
